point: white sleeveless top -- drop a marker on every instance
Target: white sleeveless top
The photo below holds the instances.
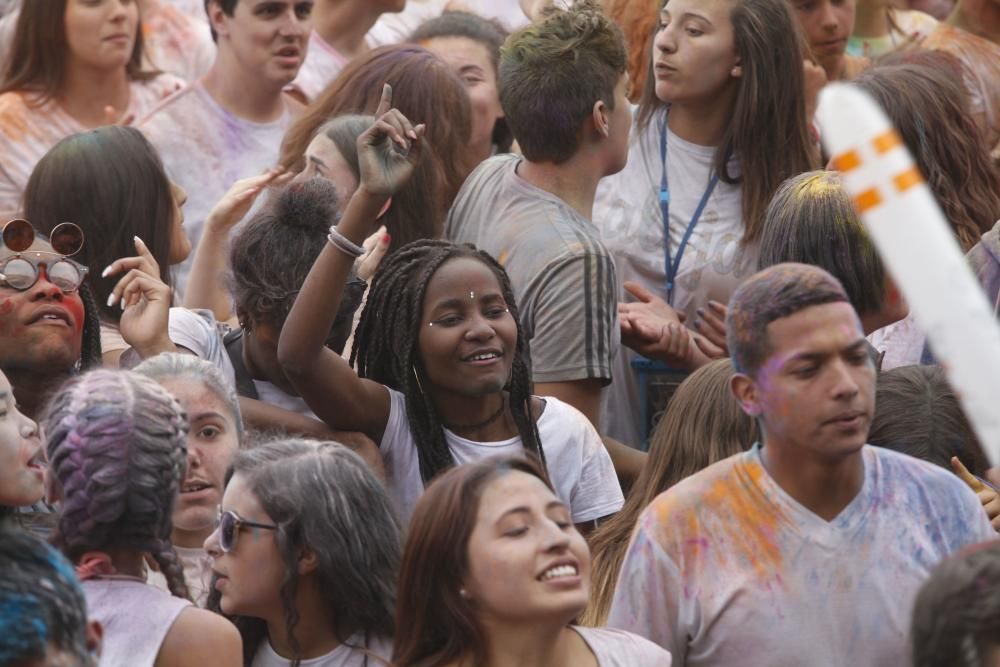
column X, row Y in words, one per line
column 136, row 618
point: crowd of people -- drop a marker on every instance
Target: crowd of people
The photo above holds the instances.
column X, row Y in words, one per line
column 468, row 333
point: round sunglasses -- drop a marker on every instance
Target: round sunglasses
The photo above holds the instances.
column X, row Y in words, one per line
column 22, row 269
column 230, row 523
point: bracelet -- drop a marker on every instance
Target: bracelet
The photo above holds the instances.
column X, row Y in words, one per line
column 344, row 244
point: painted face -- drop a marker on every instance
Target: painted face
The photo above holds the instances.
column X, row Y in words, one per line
column 267, row 37
column 325, row 160
column 250, row 576
column 22, row 456
column 180, row 244
column 694, row 51
column 527, row 562
column 211, row 445
column 101, row 33
column 467, row 338
column 827, row 24
column 816, row 392
column 471, row 61
column 619, row 126
column 41, row 328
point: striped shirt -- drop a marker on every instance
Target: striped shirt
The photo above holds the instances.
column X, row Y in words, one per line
column 563, row 277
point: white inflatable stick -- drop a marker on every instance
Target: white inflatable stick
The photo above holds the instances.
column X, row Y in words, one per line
column 918, row 248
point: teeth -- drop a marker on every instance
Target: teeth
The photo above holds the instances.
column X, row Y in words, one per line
column 559, row 571
column 485, row 356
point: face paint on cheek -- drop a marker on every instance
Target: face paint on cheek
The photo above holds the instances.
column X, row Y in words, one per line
column 6, row 306
column 75, row 306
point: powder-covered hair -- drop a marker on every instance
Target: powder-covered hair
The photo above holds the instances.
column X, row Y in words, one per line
column 553, row 71
column 811, row 220
column 776, row 292
column 174, row 365
column 324, row 497
column 42, row 606
column 116, row 446
column 956, row 617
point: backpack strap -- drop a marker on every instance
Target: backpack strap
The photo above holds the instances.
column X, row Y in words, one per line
column 233, row 342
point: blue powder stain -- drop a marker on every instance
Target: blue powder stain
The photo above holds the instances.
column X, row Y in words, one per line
column 23, row 632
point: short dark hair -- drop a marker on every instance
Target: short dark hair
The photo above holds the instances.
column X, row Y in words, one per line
column 956, row 617
column 43, row 602
column 776, row 292
column 917, row 413
column 228, row 7
column 552, row 72
column 811, row 220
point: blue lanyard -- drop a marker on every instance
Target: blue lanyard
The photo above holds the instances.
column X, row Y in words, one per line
column 673, row 264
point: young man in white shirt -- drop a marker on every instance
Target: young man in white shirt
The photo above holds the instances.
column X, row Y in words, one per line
column 229, row 124
column 809, row 548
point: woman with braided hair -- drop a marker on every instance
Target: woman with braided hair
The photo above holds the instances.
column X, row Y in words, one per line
column 116, row 449
column 439, row 351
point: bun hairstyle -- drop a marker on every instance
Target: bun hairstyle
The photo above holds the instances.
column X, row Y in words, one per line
column 116, row 444
column 272, row 255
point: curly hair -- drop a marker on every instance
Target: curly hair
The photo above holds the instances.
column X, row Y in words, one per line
column 323, row 497
column 116, row 445
column 386, row 349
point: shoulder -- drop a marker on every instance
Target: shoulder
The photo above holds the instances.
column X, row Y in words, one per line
column 200, row 637
column 618, row 647
column 172, row 108
column 898, row 470
column 709, row 492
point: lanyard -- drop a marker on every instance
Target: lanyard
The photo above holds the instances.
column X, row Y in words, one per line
column 673, row 264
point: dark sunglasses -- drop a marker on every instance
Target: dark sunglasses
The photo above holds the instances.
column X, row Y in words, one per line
column 230, row 524
column 21, row 270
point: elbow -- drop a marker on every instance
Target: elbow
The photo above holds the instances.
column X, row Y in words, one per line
column 292, row 359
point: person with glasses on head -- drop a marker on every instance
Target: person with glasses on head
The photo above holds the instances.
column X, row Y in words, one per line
column 306, row 556
column 116, row 446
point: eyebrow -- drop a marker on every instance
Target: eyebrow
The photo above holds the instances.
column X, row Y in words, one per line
column 687, row 15
column 525, row 510
column 458, row 302
column 4, row 395
column 856, row 346
column 208, row 414
column 316, row 160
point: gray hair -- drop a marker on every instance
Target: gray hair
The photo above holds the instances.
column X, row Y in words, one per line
column 116, row 444
column 324, row 497
column 189, row 367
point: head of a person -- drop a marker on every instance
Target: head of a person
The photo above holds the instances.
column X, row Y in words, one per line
column 43, row 619
column 414, row 212
column 215, row 431
column 802, row 363
column 441, row 322
column 49, row 321
column 745, row 56
column 927, row 103
column 269, row 259
column 917, row 413
column 265, row 38
column 332, row 530
column 811, row 220
column 827, row 24
column 563, row 85
column 111, row 182
column 638, row 21
column 489, row 544
column 470, row 44
column 956, row 617
column 703, row 424
column 56, row 37
column 22, row 455
column 424, row 89
column 116, row 446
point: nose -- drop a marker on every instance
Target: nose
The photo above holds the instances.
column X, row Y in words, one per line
column 480, row 328
column 193, row 456
column 845, row 385
column 556, row 539
column 28, row 427
column 292, row 25
column 44, row 289
column 211, row 544
column 665, row 41
column 828, row 18
column 119, row 10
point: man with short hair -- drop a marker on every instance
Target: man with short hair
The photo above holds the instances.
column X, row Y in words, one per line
column 809, row 548
column 229, row 124
column 562, row 87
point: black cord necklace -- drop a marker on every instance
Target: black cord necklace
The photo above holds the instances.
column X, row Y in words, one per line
column 486, row 422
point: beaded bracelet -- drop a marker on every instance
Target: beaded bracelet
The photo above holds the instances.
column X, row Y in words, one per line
column 344, row 244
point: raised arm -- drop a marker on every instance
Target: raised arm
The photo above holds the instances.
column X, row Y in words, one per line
column 387, row 153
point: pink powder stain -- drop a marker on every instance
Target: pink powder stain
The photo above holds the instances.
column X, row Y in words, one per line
column 6, row 306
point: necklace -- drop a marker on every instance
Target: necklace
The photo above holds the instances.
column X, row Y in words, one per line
column 486, row 422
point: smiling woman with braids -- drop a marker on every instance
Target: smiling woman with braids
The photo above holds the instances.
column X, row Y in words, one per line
column 439, row 350
column 116, row 447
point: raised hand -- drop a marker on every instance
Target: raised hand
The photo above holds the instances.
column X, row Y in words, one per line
column 236, row 203
column 145, row 302
column 389, row 150
column 987, row 495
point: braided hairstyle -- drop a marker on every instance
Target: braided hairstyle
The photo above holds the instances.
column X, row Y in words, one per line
column 90, row 348
column 386, row 348
column 116, row 444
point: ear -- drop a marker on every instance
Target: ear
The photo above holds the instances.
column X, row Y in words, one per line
column 308, row 561
column 744, row 388
column 95, row 639
column 217, row 18
column 737, row 71
column 599, row 116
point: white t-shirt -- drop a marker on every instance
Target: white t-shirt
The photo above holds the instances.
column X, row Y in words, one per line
column 902, row 342
column 198, row 331
column 352, row 653
column 616, row 648
column 322, row 65
column 627, row 213
column 206, row 149
column 726, row 568
column 175, row 42
column 579, row 466
column 197, row 566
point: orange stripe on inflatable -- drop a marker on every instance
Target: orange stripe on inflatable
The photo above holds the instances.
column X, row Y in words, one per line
column 907, row 179
column 886, row 142
column 846, row 161
column 867, row 199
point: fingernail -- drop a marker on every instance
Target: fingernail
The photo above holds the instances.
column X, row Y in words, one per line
column 107, row 272
column 697, row 324
column 122, row 304
column 138, row 240
column 413, row 135
column 111, row 300
column 386, row 239
column 701, row 312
